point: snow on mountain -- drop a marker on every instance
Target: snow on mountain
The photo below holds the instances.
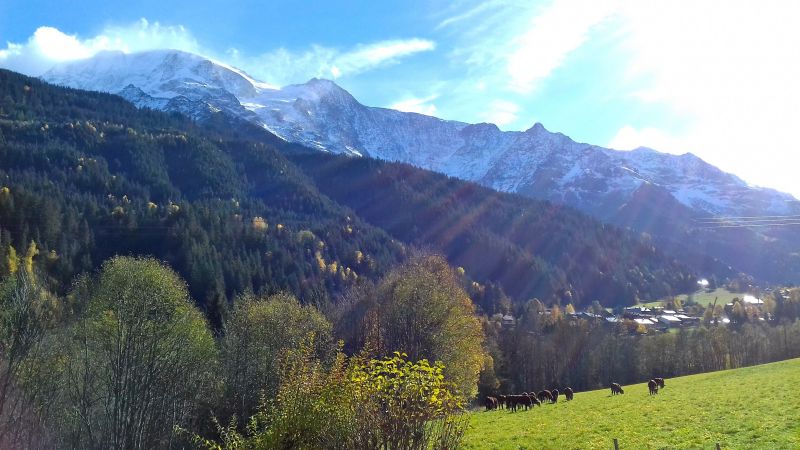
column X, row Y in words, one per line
column 321, row 115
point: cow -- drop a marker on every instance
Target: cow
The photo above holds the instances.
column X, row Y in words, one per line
column 568, row 393
column 490, row 403
column 525, row 400
column 653, row 387
column 511, row 402
column 545, row 395
column 660, row 382
column 616, row 389
column 554, row 393
column 502, row 401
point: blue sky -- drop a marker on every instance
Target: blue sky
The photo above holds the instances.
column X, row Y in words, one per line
column 717, row 78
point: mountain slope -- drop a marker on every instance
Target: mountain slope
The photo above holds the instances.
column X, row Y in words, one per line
column 90, row 176
column 87, row 176
column 322, row 115
column 527, row 247
column 536, row 163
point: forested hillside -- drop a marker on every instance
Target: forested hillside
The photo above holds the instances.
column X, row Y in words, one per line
column 87, row 176
column 529, row 248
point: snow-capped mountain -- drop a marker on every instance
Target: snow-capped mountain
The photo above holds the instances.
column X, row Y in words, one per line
column 321, row 115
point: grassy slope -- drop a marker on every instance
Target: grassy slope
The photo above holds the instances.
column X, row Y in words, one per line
column 704, row 298
column 753, row 407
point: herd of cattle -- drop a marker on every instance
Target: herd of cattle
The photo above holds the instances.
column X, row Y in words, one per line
column 529, row 400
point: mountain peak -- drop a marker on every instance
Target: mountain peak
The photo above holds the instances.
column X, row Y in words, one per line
column 323, row 87
column 322, row 115
column 537, row 128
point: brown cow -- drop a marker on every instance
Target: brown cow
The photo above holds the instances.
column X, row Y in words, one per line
column 660, row 382
column 545, row 395
column 568, row 393
column 653, row 387
column 554, row 393
column 490, row 403
column 616, row 389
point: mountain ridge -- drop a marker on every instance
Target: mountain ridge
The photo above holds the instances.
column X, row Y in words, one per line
column 536, row 163
column 324, row 116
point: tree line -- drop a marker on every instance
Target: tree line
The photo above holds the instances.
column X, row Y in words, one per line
column 126, row 360
column 552, row 350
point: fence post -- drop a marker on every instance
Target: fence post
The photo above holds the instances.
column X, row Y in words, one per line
column 616, row 444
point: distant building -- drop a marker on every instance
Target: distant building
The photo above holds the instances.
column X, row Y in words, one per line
column 646, row 322
column 669, row 320
column 688, row 320
column 750, row 300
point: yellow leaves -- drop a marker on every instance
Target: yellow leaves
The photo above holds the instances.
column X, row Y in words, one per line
column 5, row 191
column 320, row 260
column 359, row 257
column 259, row 224
column 151, row 206
column 279, row 227
column 27, row 260
column 118, row 212
column 13, row 260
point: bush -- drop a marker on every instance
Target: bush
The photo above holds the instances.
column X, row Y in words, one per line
column 389, row 403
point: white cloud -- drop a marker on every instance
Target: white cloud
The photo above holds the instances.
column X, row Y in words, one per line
column 48, row 46
column 417, row 105
column 385, row 52
column 282, row 66
column 501, row 112
column 629, row 138
column 729, row 68
column 470, row 13
column 551, row 36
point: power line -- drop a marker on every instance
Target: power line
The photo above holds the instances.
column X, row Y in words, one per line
column 745, row 218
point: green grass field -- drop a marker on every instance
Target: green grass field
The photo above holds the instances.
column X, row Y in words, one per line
column 704, row 298
column 751, row 408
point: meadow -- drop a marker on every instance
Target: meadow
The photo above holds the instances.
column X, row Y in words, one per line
column 702, row 297
column 754, row 407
